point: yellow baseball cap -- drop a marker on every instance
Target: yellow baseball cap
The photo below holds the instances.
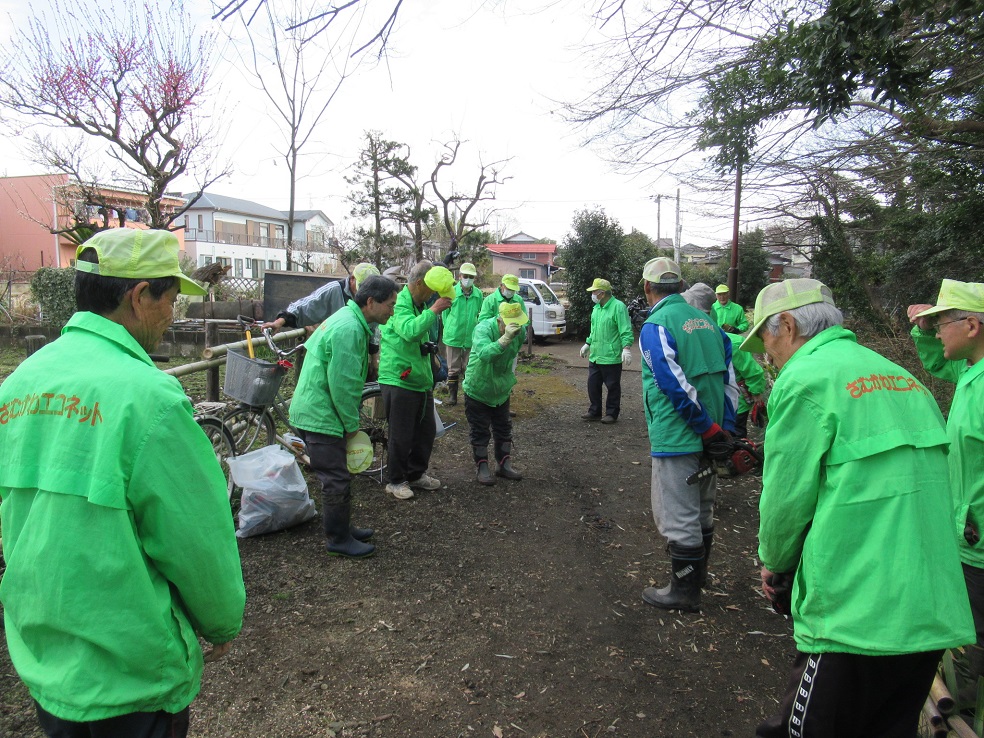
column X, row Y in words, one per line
column 358, row 453
column 468, row 268
column 661, row 269
column 779, row 297
column 136, row 253
column 363, row 270
column 600, row 284
column 512, row 312
column 511, row 281
column 956, row 295
column 441, row 280
column 721, row 288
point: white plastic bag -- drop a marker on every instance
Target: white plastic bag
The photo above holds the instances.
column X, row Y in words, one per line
column 275, row 495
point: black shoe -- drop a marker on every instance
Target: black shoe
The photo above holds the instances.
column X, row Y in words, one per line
column 609, row 419
column 683, row 591
column 350, row 548
column 484, row 474
column 506, row 471
column 362, row 534
column 590, row 417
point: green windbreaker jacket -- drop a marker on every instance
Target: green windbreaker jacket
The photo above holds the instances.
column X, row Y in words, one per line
column 730, row 314
column 489, row 376
column 400, row 362
column 329, row 390
column 965, row 429
column 461, row 318
column 119, row 544
column 855, row 500
column 490, row 308
column 611, row 331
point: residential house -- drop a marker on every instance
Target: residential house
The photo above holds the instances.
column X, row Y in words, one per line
column 34, row 205
column 521, row 255
column 252, row 238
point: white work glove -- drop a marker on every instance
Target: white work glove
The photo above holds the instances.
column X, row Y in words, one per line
column 512, row 330
column 626, row 358
column 585, row 350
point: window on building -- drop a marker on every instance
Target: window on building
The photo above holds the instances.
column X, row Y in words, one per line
column 529, row 257
column 273, row 264
column 256, row 268
column 201, row 222
column 223, row 260
column 206, row 260
column 527, row 273
column 239, row 267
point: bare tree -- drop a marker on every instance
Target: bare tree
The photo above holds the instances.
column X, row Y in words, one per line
column 300, row 76
column 136, row 85
column 457, row 207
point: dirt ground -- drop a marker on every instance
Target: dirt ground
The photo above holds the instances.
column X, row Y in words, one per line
column 507, row 611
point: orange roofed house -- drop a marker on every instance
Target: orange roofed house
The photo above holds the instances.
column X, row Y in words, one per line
column 521, row 255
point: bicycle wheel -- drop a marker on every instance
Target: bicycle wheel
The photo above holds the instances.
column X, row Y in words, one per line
column 372, row 420
column 222, row 444
column 251, row 428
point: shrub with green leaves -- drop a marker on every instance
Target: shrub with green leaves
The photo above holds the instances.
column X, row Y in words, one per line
column 53, row 291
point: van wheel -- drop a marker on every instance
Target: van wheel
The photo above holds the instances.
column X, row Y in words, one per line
column 538, row 340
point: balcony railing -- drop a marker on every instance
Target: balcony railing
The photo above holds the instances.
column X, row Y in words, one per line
column 244, row 239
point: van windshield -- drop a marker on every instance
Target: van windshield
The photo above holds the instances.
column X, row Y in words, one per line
column 548, row 294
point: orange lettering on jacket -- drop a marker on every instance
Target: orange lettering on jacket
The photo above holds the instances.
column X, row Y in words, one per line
column 48, row 403
column 876, row 382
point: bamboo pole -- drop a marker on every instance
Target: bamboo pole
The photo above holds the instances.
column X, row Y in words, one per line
column 212, row 352
column 198, row 366
column 940, row 695
column 932, row 714
column 960, row 728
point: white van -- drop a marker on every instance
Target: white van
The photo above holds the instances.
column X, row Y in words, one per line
column 547, row 314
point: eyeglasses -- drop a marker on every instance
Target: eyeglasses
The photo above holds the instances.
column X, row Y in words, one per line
column 938, row 325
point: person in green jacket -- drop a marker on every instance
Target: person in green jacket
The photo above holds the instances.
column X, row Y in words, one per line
column 950, row 340
column 459, row 323
column 119, row 545
column 855, row 516
column 325, row 407
column 607, row 349
column 406, row 377
column 508, row 291
column 488, row 382
column 729, row 315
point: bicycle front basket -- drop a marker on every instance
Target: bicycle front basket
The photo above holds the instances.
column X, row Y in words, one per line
column 251, row 381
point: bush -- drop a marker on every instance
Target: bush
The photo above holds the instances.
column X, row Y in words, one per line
column 53, row 291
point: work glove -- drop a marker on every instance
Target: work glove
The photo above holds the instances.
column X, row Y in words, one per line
column 717, row 443
column 780, row 592
column 758, row 415
column 626, row 358
column 512, row 330
column 585, row 350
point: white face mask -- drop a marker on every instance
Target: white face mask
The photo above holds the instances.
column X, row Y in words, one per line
column 596, row 299
column 508, row 294
column 467, row 282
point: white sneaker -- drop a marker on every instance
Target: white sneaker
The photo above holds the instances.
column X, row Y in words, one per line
column 400, row 491
column 426, row 482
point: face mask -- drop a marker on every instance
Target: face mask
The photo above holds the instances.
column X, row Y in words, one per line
column 466, row 283
column 508, row 294
column 595, row 299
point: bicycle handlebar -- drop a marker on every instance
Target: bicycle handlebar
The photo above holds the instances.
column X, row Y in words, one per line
column 245, row 322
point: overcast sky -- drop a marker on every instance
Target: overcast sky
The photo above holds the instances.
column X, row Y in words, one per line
column 490, row 73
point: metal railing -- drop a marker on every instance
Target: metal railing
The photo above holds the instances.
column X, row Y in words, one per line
column 245, row 239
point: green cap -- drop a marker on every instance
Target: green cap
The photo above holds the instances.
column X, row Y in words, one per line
column 511, row 281
column 441, row 280
column 467, row 268
column 600, row 284
column 956, row 295
column 512, row 312
column 358, row 453
column 721, row 288
column 779, row 297
column 661, row 270
column 135, row 253
column 363, row 270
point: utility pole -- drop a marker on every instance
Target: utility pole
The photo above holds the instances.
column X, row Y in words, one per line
column 679, row 231
column 659, row 231
column 733, row 270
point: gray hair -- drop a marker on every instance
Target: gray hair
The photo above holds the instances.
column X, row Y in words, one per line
column 958, row 314
column 810, row 319
column 418, row 272
column 668, row 288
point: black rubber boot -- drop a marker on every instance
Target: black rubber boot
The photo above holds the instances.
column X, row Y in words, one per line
column 482, row 461
column 338, row 532
column 708, row 535
column 683, row 591
column 361, row 534
column 452, row 392
column 504, row 462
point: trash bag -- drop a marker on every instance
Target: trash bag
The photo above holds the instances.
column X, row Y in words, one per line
column 275, row 495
